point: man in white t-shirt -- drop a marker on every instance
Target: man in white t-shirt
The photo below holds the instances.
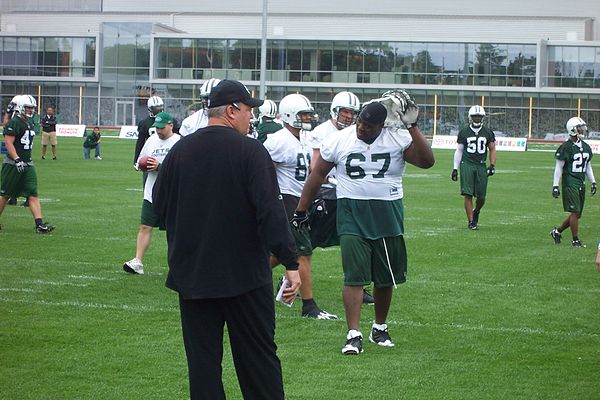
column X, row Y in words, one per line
column 369, row 160
column 290, row 152
column 156, row 148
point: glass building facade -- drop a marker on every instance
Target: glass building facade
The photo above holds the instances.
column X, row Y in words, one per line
column 513, row 81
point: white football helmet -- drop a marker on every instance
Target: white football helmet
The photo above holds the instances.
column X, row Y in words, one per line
column 155, row 105
column 576, row 126
column 268, row 109
column 205, row 90
column 347, row 100
column 291, row 106
column 24, row 101
column 476, row 110
column 10, row 108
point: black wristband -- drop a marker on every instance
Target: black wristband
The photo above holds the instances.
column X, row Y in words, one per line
column 413, row 125
column 17, row 160
column 299, row 213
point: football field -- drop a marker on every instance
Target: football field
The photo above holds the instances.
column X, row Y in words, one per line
column 497, row 313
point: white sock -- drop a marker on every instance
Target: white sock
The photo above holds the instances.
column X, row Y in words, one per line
column 381, row 327
column 352, row 333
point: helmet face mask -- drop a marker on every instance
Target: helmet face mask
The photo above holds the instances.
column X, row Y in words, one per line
column 474, row 113
column 205, row 90
column 25, row 105
column 576, row 127
column 155, row 105
column 296, row 111
column 344, row 101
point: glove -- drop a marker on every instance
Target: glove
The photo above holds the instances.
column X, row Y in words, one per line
column 410, row 114
column 491, row 170
column 454, row 175
column 555, row 192
column 20, row 164
column 300, row 220
column 594, row 188
column 320, row 207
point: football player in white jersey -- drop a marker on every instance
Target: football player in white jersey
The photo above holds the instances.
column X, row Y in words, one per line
column 290, row 152
column 369, row 159
column 199, row 119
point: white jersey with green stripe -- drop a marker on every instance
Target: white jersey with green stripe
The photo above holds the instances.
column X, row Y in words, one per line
column 291, row 156
column 368, row 171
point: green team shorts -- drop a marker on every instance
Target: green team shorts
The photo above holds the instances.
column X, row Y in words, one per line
column 18, row 184
column 473, row 179
column 364, row 260
column 573, row 198
column 148, row 217
column 301, row 237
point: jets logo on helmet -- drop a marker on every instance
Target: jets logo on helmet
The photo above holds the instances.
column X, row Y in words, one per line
column 347, row 101
column 25, row 105
column 205, row 90
column 576, row 126
column 155, row 105
column 268, row 109
column 293, row 109
column 476, row 111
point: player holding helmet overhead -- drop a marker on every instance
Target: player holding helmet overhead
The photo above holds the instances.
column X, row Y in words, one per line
column 573, row 164
column 370, row 160
column 290, row 152
column 199, row 119
column 473, row 143
column 18, row 176
column 267, row 113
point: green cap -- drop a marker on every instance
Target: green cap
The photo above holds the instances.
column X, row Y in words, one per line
column 162, row 119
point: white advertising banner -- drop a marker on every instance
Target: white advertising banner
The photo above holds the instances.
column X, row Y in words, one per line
column 594, row 144
column 128, row 132
column 70, row 130
column 443, row 142
column 502, row 143
column 511, row 144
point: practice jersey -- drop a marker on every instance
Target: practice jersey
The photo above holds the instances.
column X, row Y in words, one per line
column 265, row 128
column 157, row 148
column 576, row 158
column 23, row 131
column 475, row 144
column 317, row 137
column 191, row 124
column 368, row 171
column 291, row 156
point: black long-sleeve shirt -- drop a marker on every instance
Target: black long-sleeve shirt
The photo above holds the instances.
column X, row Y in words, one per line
column 218, row 197
column 49, row 123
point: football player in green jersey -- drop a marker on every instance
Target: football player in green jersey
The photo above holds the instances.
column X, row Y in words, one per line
column 18, row 177
column 573, row 164
column 473, row 143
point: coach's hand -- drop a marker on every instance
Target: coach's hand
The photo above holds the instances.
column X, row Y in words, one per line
column 20, row 164
column 594, row 188
column 491, row 170
column 555, row 192
column 454, row 175
column 300, row 220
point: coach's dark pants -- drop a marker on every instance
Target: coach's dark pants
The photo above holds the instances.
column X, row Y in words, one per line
column 250, row 320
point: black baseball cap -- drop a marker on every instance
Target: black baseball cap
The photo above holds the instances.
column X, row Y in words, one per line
column 373, row 113
column 229, row 91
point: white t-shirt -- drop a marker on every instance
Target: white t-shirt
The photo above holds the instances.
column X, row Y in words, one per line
column 157, row 148
column 191, row 124
column 368, row 171
column 292, row 159
column 318, row 136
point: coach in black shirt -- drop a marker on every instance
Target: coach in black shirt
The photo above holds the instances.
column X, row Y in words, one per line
column 218, row 197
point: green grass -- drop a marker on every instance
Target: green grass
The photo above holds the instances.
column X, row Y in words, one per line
column 498, row 313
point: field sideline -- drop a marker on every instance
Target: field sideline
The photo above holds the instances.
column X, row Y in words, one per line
column 498, row 313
